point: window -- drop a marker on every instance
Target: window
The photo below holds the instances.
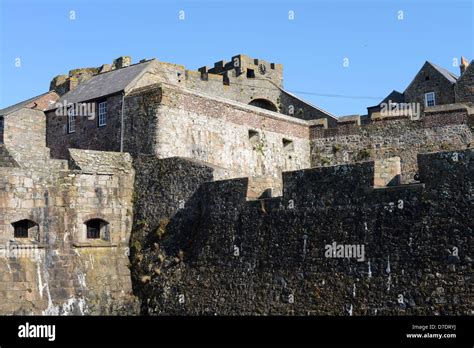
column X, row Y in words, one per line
column 288, row 145
column 97, row 229
column 254, row 137
column 1, row 130
column 24, row 228
column 71, row 120
column 250, row 73
column 102, row 113
column 430, row 99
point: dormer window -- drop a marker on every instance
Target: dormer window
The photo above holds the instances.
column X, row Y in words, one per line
column 430, row 99
column 102, row 113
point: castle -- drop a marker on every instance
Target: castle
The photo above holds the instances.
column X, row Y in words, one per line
column 150, row 188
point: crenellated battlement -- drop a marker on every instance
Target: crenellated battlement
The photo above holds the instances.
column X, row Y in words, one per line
column 208, row 233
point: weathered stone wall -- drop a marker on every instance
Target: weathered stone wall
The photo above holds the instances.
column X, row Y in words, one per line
column 440, row 129
column 6, row 159
column 63, row 273
column 24, row 137
column 56, row 269
column 186, row 124
column 221, row 254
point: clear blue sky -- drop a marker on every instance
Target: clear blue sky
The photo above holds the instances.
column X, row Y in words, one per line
column 384, row 52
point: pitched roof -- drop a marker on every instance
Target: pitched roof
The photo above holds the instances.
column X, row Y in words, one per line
column 446, row 73
column 22, row 104
column 394, row 96
column 107, row 83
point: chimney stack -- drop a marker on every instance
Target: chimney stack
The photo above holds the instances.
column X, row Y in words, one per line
column 464, row 65
column 121, row 62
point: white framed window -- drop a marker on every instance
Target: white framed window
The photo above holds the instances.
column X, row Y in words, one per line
column 102, row 113
column 430, row 99
column 71, row 120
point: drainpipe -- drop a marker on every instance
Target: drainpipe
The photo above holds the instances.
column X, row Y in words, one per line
column 121, row 121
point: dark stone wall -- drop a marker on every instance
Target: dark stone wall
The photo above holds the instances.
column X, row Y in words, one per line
column 465, row 86
column 88, row 134
column 221, row 254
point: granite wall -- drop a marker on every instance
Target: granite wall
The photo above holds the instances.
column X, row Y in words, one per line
column 247, row 141
column 56, row 268
column 439, row 129
column 219, row 253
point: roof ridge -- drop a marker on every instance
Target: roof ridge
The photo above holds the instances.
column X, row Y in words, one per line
column 441, row 69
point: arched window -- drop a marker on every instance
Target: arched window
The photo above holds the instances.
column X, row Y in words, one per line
column 24, row 228
column 97, row 229
column 264, row 104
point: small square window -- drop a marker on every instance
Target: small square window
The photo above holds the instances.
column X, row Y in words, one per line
column 102, row 113
column 250, row 73
column 254, row 137
column 288, row 144
column 430, row 99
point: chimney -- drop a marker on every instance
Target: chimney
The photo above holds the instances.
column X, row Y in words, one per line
column 464, row 65
column 121, row 62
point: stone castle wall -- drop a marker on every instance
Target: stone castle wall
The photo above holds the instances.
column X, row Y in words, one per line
column 221, row 254
column 439, row 129
column 183, row 123
column 56, row 269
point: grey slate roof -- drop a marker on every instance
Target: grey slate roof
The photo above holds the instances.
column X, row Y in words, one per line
column 394, row 96
column 15, row 107
column 105, row 84
column 446, row 73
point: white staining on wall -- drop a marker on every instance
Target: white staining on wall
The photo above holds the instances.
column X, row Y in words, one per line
column 305, row 238
column 389, row 280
